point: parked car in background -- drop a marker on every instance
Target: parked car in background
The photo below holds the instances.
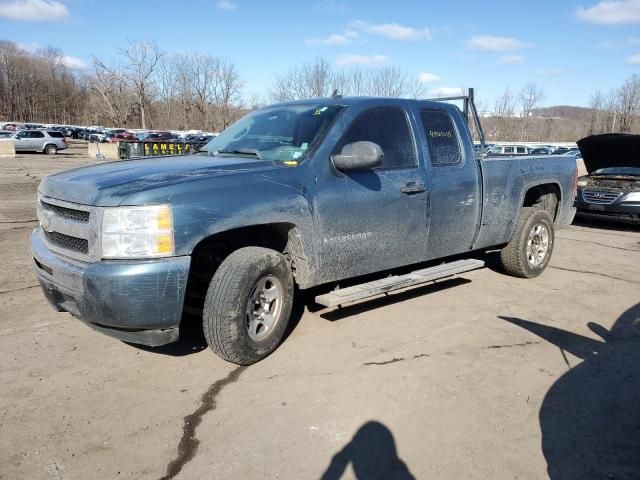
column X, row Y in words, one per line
column 561, row 150
column 47, row 141
column 612, row 186
column 71, row 132
column 540, row 151
column 120, row 137
column 6, row 133
column 573, row 153
column 508, row 150
column 10, row 126
column 159, row 137
column 97, row 136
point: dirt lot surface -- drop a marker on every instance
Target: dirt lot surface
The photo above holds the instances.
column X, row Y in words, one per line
column 485, row 376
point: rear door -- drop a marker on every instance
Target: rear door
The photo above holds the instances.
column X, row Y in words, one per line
column 454, row 192
column 36, row 140
column 373, row 220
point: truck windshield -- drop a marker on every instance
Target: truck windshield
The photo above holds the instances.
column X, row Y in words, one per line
column 280, row 133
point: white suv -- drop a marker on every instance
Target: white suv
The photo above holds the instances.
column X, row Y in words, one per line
column 47, row 141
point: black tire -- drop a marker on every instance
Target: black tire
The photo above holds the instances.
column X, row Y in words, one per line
column 225, row 314
column 515, row 259
column 50, row 149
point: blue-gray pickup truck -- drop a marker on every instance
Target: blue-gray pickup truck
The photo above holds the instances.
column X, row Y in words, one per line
column 297, row 195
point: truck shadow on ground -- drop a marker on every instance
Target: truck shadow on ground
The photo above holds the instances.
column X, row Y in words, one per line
column 590, row 419
column 372, row 454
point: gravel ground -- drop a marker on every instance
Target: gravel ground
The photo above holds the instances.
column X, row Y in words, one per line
column 484, row 376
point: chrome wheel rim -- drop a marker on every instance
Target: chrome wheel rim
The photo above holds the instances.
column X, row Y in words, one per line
column 537, row 244
column 263, row 307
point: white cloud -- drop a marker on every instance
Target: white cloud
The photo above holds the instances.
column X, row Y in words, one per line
column 368, row 60
column 489, row 43
column 446, row 92
column 38, row 10
column 551, row 72
column 29, row 47
column 335, row 39
column 511, row 59
column 226, row 5
column 633, row 59
column 611, row 12
column 426, row 77
column 74, row 63
column 393, row 31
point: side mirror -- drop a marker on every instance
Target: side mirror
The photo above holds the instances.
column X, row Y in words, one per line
column 358, row 156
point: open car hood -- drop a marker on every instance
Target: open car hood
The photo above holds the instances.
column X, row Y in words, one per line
column 610, row 150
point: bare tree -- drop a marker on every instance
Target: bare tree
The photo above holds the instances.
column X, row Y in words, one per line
column 530, row 97
column 117, row 101
column 504, row 113
column 310, row 80
column 596, row 105
column 141, row 60
column 629, row 102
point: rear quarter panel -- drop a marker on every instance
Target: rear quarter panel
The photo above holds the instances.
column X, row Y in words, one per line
column 506, row 181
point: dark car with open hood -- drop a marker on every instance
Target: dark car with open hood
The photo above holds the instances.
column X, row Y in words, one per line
column 612, row 186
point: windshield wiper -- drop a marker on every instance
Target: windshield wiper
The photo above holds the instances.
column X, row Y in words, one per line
column 243, row 151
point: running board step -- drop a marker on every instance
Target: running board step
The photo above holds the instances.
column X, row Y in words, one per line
column 376, row 287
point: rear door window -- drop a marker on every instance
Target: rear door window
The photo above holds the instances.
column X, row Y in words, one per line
column 388, row 127
column 36, row 135
column 442, row 138
column 520, row 150
column 508, row 149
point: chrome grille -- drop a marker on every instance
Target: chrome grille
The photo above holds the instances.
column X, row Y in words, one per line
column 70, row 213
column 68, row 242
column 600, row 197
column 70, row 229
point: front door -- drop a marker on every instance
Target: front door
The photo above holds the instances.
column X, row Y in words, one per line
column 20, row 141
column 373, row 220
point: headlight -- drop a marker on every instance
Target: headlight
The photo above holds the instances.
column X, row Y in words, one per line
column 137, row 232
column 632, row 197
column 583, row 182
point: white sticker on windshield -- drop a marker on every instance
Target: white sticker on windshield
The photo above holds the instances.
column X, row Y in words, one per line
column 304, row 146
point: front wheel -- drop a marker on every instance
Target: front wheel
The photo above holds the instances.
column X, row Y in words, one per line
column 248, row 305
column 529, row 251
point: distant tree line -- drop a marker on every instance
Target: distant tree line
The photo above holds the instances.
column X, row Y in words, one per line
column 140, row 86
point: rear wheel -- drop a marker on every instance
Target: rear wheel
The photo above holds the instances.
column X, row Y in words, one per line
column 50, row 149
column 529, row 251
column 248, row 305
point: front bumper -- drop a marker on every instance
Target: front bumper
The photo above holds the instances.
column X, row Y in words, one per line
column 134, row 301
column 618, row 209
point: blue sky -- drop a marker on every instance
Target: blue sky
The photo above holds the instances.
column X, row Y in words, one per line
column 571, row 48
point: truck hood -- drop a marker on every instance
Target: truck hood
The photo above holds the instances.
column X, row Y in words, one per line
column 105, row 184
column 610, row 150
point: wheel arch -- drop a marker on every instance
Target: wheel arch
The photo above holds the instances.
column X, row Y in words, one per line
column 212, row 250
column 535, row 195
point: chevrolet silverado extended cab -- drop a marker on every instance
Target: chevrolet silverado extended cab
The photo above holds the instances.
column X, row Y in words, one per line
column 295, row 195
